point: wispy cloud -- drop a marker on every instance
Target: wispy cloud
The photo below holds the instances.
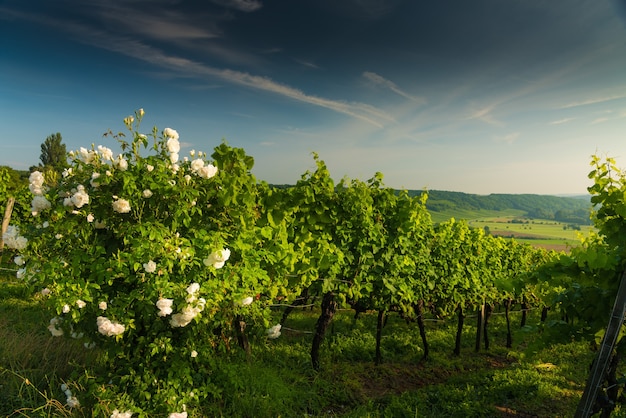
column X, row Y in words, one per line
column 157, row 24
column 241, row 5
column 307, row 63
column 485, row 114
column 383, row 82
column 595, row 100
column 141, row 51
column 186, row 67
column 599, row 120
column 509, row 138
column 561, row 121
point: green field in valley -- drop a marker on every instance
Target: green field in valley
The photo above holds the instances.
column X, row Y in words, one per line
column 512, row 223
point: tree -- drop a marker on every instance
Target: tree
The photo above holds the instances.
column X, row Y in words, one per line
column 53, row 152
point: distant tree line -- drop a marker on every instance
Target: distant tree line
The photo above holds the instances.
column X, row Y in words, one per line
column 572, row 210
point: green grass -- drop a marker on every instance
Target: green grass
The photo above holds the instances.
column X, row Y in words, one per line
column 474, row 214
column 544, row 233
column 530, row 379
column 539, row 232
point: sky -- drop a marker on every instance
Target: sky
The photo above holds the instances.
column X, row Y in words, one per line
column 482, row 96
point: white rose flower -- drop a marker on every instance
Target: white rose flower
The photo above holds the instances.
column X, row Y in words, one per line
column 193, row 288
column 247, row 301
column 39, row 204
column 19, row 260
column 81, row 304
column 118, row 414
column 149, row 167
column 147, row 193
column 178, row 415
column 150, row 266
column 36, row 181
column 86, row 156
column 217, row 259
column 170, row 133
column 20, row 273
column 45, row 291
column 174, row 159
column 53, row 327
column 109, row 328
column 80, row 198
column 207, row 171
column 173, row 146
column 121, row 163
column 66, row 308
column 184, row 317
column 194, row 354
column 103, row 305
column 13, row 239
column 165, row 306
column 197, row 164
column 73, row 402
column 121, row 206
column 90, row 218
column 93, row 182
column 274, row 332
column 107, row 153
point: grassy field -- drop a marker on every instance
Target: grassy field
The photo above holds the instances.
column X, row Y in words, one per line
column 512, row 224
column 534, row 378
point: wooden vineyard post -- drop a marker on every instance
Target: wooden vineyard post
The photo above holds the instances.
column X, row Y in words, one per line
column 601, row 362
column 6, row 219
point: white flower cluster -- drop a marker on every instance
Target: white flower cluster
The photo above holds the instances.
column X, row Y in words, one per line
column 217, row 258
column 178, row 415
column 12, row 238
column 54, row 327
column 173, row 146
column 85, row 155
column 118, row 414
column 108, row 328
column 194, row 306
column 121, row 206
column 150, row 266
column 36, row 181
column 79, row 199
column 90, row 156
column 39, row 202
column 165, row 306
column 106, row 153
column 203, row 170
column 21, row 273
column 274, row 332
column 121, row 163
column 71, row 400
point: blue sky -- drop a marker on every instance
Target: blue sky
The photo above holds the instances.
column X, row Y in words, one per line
column 487, row 96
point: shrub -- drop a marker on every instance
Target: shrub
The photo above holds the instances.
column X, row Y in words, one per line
column 151, row 259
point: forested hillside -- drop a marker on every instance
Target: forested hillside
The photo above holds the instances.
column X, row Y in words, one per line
column 563, row 209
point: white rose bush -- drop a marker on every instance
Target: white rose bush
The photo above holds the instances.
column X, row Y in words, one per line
column 152, row 258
